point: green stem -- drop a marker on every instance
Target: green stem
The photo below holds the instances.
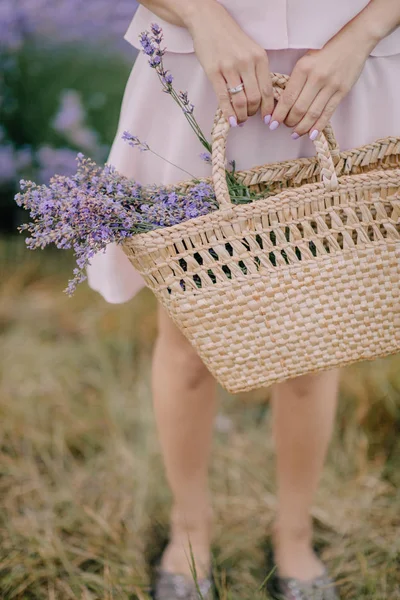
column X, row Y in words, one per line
column 171, row 163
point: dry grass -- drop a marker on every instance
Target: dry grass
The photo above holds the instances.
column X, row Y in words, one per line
column 84, row 504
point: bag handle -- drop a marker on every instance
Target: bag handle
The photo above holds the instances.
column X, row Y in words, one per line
column 326, row 148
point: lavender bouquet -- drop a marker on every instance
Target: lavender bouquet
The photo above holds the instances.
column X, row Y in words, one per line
column 98, row 206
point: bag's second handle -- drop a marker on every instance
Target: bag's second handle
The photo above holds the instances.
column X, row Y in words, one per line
column 325, row 145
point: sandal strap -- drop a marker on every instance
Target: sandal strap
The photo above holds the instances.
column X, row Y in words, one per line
column 173, row 586
column 320, row 588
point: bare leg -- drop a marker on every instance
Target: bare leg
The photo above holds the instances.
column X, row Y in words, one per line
column 185, row 403
column 304, row 410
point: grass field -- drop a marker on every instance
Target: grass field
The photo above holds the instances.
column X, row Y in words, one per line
column 84, row 504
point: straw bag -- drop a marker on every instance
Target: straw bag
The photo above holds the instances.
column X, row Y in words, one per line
column 306, row 279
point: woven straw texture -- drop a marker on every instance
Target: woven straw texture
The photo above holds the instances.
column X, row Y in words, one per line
column 305, row 279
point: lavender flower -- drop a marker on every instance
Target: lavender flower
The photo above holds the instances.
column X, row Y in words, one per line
column 157, row 32
column 206, row 156
column 97, row 206
column 187, row 106
column 147, row 44
column 134, row 141
column 150, row 42
column 167, row 79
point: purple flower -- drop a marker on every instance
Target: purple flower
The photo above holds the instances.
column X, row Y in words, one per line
column 97, row 206
column 147, row 44
column 187, row 107
column 192, row 211
column 206, row 156
column 150, row 42
column 134, row 141
column 167, row 79
column 155, row 62
column 156, row 29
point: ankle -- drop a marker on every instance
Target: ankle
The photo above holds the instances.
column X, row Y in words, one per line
column 293, row 550
column 190, row 541
column 286, row 532
column 198, row 523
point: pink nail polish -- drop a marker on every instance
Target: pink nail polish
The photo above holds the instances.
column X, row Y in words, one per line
column 232, row 121
column 267, row 119
column 295, row 136
column 274, row 125
column 241, row 125
column 314, row 134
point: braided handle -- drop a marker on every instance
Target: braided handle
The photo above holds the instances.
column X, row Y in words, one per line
column 326, row 148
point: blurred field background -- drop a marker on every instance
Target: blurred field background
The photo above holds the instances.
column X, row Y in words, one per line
column 83, row 499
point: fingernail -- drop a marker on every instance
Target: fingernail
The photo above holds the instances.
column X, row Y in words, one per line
column 232, row 121
column 295, row 136
column 274, row 125
column 242, row 124
column 267, row 119
column 314, row 134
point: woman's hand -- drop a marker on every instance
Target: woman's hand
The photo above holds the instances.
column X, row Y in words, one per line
column 318, row 83
column 229, row 57
column 322, row 78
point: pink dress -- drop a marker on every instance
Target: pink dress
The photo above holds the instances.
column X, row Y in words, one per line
column 286, row 29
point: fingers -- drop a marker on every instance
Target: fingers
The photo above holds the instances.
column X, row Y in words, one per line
column 288, row 97
column 264, row 80
column 305, row 114
column 234, row 107
column 310, row 103
column 239, row 101
column 315, row 127
column 251, row 91
column 224, row 100
column 255, row 76
column 306, row 104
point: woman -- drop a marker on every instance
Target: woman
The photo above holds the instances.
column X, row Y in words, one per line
column 343, row 59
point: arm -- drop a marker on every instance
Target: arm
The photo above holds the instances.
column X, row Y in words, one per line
column 177, row 12
column 227, row 55
column 322, row 78
column 378, row 19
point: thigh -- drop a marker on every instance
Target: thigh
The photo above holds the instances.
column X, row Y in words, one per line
column 175, row 353
column 177, row 343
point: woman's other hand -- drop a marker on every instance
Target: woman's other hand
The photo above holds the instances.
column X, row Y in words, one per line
column 229, row 57
column 320, row 80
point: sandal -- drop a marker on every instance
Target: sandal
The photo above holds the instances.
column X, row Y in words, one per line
column 173, row 586
column 320, row 588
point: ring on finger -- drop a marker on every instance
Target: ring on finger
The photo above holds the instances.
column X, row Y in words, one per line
column 236, row 90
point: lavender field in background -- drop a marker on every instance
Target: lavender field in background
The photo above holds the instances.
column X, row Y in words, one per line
column 66, row 21
column 63, row 69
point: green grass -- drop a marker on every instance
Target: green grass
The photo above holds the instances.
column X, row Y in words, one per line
column 84, row 503
column 42, row 71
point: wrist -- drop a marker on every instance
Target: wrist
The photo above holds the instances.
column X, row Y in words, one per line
column 361, row 37
column 193, row 10
column 370, row 32
column 371, row 25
